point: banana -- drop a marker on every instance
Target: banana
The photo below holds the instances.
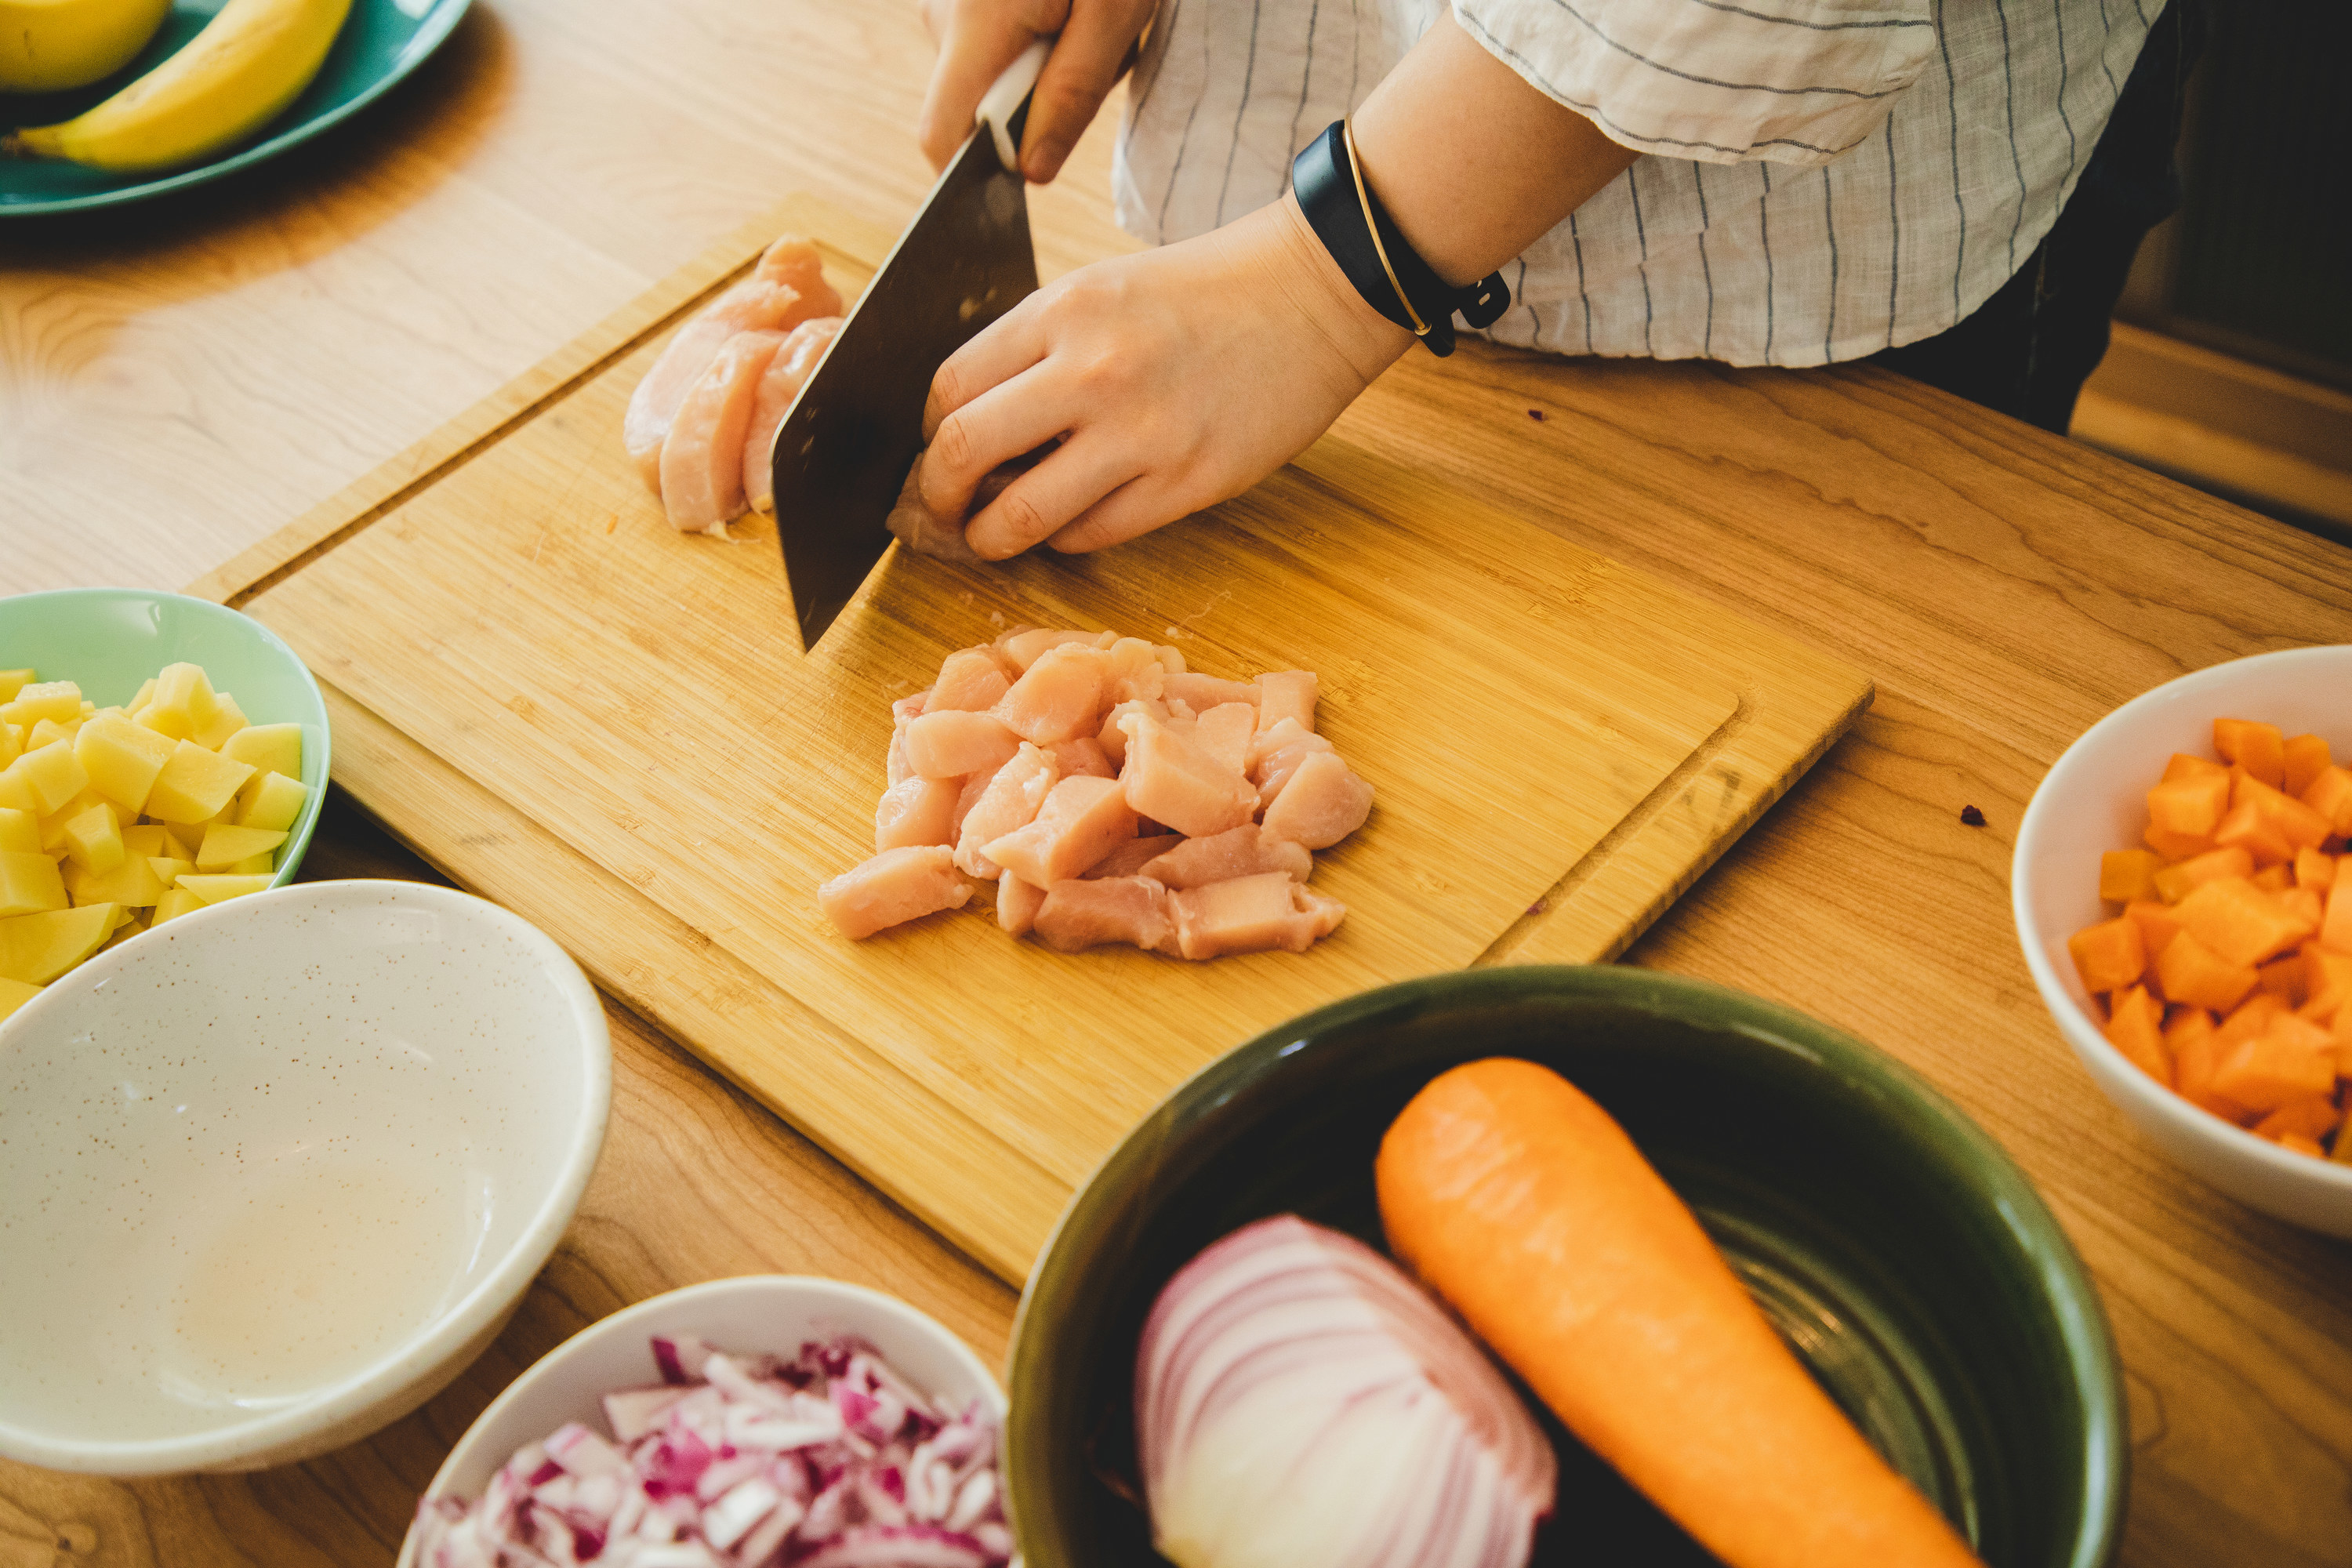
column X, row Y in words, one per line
column 49, row 46
column 250, row 61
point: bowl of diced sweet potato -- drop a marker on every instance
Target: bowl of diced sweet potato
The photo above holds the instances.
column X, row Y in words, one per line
column 2184, row 897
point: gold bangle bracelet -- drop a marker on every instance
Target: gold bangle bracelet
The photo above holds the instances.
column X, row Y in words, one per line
column 1355, row 167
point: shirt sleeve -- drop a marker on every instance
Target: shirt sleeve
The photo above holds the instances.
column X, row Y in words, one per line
column 1786, row 81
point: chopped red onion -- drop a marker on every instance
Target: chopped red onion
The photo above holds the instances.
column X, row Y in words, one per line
column 1301, row 1403
column 830, row 1459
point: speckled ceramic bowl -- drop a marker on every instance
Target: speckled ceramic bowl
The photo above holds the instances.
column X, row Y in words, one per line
column 1902, row 1255
column 273, row 1174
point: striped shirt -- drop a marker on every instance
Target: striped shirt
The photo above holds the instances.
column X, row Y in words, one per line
column 1821, row 179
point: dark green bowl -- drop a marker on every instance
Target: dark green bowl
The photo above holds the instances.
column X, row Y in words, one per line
column 1903, row 1255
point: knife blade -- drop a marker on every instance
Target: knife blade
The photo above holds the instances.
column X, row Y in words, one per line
column 843, row 451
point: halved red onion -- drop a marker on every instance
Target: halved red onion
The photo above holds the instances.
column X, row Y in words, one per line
column 1301, row 1403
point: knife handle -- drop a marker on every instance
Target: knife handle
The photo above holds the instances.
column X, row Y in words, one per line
column 1004, row 107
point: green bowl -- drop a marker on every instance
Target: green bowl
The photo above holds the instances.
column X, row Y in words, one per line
column 107, row 641
column 1902, row 1255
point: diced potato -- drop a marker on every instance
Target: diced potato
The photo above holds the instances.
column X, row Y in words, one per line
column 94, row 838
column 20, row 832
column 13, row 682
column 213, row 890
column 227, row 721
column 53, row 774
column 196, row 784
column 146, row 695
column 18, row 794
column 175, row 902
column 54, row 700
column 132, row 926
column 179, row 843
column 272, row 748
column 29, row 884
column 134, row 882
column 53, row 827
column 223, row 846
column 169, row 869
column 49, row 730
column 12, row 743
column 14, row 994
column 147, row 838
column 182, row 703
column 36, row 949
column 121, row 759
column 272, row 800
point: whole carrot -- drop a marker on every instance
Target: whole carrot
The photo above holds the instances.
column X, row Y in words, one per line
column 1521, row 1202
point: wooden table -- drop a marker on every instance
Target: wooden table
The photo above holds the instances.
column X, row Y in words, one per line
column 177, row 381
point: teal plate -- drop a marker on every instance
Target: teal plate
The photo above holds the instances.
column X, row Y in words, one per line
column 381, row 41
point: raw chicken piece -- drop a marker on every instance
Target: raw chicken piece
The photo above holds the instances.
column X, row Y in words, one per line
column 1250, row 914
column 1113, row 740
column 1083, row 758
column 1275, row 763
column 1017, row 904
column 970, row 681
column 920, row 529
column 1223, row 733
column 1207, row 692
column 1245, row 851
column 796, row 360
column 755, row 305
column 795, row 263
column 1170, row 778
column 1134, row 673
column 1058, row 697
column 702, row 459
column 916, row 811
column 948, row 744
column 1129, row 858
column 902, row 713
column 1023, row 645
column 1082, row 821
column 1010, row 801
column 1322, row 803
column 1170, row 659
column 1079, row 915
column 895, row 886
column 1287, row 694
column 1284, row 734
column 969, row 791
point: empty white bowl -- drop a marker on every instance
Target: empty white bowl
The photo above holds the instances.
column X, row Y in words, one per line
column 2095, row 799
column 273, row 1174
column 775, row 1313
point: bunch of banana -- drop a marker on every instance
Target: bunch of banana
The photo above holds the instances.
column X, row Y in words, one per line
column 250, row 61
column 49, row 46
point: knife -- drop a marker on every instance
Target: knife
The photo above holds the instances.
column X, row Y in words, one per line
column 843, row 451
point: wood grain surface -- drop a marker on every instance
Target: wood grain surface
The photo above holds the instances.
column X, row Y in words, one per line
column 179, row 382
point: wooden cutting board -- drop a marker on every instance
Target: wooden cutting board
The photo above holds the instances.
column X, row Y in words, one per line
column 609, row 727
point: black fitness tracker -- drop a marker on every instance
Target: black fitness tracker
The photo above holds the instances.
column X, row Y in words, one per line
column 1362, row 238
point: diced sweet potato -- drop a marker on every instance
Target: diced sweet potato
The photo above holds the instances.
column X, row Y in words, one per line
column 2297, row 1143
column 2275, row 878
column 2185, row 764
column 2314, row 1117
column 2335, row 922
column 2302, row 827
column 2128, row 875
column 2305, row 758
column 2241, row 921
column 2315, row 869
column 2109, row 955
column 2159, row 924
column 2330, row 794
column 2136, row 1028
column 2254, row 746
column 2196, row 1047
column 2196, row 976
column 2192, row 805
column 2176, row 882
column 2290, row 1060
column 2249, row 829
column 2326, row 982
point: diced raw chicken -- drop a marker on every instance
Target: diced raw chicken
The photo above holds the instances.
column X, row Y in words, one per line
column 1079, row 915
column 916, row 811
column 1203, row 692
column 1224, row 732
column 948, row 744
column 1169, row 779
column 1113, row 740
column 970, row 681
column 1134, row 673
column 1083, row 758
column 755, row 305
column 1017, row 904
column 1025, row 645
column 1287, row 694
column 1284, row 733
column 1082, row 821
column 968, row 796
column 1250, row 914
column 1274, row 764
column 796, row 360
column 795, row 263
column 904, row 711
column 1245, row 851
column 1129, row 858
column 1171, row 659
column 1010, row 801
column 702, row 459
column 1322, row 803
column 920, row 529
column 1058, row 695
column 895, row 886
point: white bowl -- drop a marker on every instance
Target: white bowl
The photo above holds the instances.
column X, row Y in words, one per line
column 756, row 1312
column 273, row 1174
column 2094, row 800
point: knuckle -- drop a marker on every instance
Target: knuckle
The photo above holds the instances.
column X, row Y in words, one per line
column 1018, row 516
column 952, row 446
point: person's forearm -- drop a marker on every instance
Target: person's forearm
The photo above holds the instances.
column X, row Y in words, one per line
column 1472, row 162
